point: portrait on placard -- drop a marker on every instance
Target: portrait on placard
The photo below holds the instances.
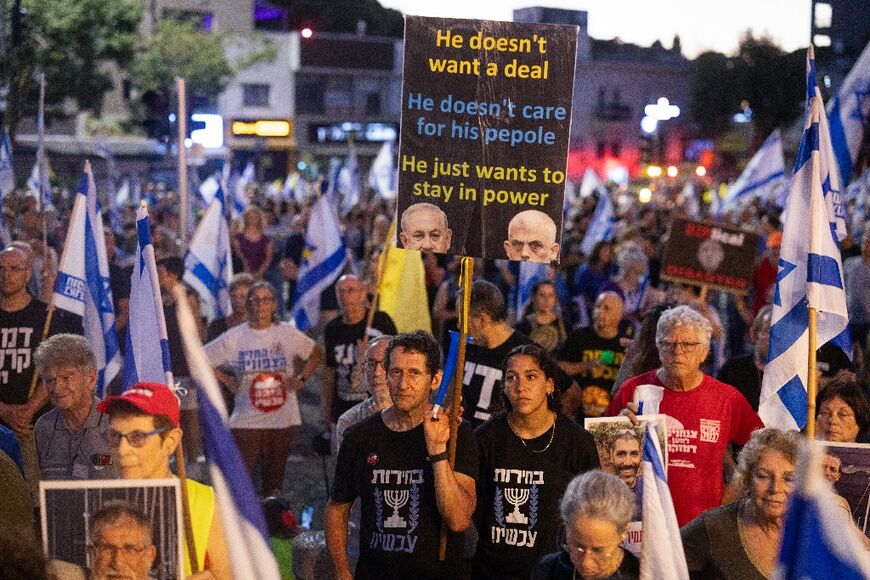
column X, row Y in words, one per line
column 620, row 444
column 846, row 466
column 113, row 529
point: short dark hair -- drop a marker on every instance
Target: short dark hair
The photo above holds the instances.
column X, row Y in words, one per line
column 542, row 358
column 853, row 395
column 487, row 299
column 172, row 264
column 121, row 408
column 416, row 341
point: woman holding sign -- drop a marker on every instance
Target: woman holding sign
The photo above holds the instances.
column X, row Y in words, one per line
column 528, row 454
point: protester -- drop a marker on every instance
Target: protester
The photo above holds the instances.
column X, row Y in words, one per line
column 741, row 540
column 745, row 371
column 631, row 281
column 528, row 454
column 238, row 291
column 251, row 245
column 71, row 438
column 375, row 383
column 589, row 278
column 273, row 361
column 843, row 413
column 642, row 354
column 342, row 337
column 705, row 415
column 144, row 432
column 542, row 321
column 856, row 272
column 596, row 510
column 396, row 462
column 493, row 340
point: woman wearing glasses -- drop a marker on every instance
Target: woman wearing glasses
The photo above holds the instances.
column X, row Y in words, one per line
column 596, row 510
column 704, row 415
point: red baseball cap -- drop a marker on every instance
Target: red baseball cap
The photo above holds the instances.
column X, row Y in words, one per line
column 151, row 398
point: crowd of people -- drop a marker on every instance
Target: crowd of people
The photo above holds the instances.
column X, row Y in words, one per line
column 524, row 495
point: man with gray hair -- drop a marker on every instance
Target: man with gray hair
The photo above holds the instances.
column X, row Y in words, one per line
column 424, row 227
column 704, row 415
column 71, row 438
column 122, row 544
column 375, row 380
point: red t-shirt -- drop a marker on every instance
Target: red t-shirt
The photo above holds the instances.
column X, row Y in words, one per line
column 701, row 424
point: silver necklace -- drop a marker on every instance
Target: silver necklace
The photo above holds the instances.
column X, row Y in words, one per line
column 523, row 441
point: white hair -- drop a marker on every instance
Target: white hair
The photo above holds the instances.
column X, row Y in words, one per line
column 683, row 315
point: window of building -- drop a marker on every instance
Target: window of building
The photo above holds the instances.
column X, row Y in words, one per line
column 255, row 95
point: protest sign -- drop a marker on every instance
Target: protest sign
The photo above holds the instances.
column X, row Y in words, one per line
column 132, row 525
column 847, row 467
column 704, row 254
column 486, row 113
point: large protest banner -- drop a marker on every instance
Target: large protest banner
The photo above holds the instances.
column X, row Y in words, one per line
column 704, row 254
column 486, row 114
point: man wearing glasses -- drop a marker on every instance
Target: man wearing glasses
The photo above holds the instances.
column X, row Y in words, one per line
column 121, row 543
column 143, row 433
column 704, row 415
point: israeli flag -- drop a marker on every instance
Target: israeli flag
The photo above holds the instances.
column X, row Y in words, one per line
column 848, row 112
column 763, row 175
column 818, row 541
column 530, row 274
column 240, row 197
column 83, row 285
column 831, row 182
column 591, row 183
column 291, row 183
column 661, row 552
column 7, row 176
column 382, row 176
column 601, row 225
column 324, row 259
column 208, row 188
column 810, row 275
column 146, row 356
column 208, row 264
column 244, row 526
column 349, row 182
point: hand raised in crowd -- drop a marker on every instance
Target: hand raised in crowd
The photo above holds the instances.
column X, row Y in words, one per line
column 630, row 411
column 436, row 431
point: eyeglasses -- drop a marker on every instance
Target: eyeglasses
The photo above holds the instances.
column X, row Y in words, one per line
column 128, row 550
column 373, row 364
column 597, row 554
column 670, row 345
column 134, row 438
column 265, row 300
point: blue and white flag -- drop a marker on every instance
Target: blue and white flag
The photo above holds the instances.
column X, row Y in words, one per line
column 240, row 187
column 661, row 555
column 146, row 356
column 530, row 274
column 818, row 540
column 591, row 183
column 831, row 182
column 601, row 225
column 83, row 287
column 763, row 176
column 323, row 261
column 848, row 112
column 688, row 200
column 208, row 263
column 349, row 182
column 810, row 276
column 245, row 528
column 382, row 175
column 7, row 176
column 208, row 188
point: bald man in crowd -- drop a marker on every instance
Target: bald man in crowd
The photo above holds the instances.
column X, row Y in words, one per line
column 532, row 237
column 425, row 228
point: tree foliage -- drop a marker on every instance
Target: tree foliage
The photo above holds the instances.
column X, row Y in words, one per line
column 71, row 41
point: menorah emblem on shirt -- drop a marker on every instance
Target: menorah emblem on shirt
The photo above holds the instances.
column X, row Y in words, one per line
column 516, row 497
column 395, row 498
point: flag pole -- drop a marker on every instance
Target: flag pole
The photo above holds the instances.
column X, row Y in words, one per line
column 42, row 167
column 812, row 377
column 182, row 161
column 466, row 269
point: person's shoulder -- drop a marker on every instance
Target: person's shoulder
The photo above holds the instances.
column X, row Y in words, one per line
column 646, row 378
column 44, row 422
column 722, row 389
column 517, row 338
column 494, row 427
column 373, row 424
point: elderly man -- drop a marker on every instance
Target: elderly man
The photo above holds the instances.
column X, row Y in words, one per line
column 425, row 228
column 704, row 415
column 531, row 236
column 376, row 384
column 341, row 338
column 143, row 434
column 121, row 543
column 396, row 463
column 71, row 438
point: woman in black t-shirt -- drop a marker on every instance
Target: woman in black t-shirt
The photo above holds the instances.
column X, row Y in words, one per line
column 528, row 454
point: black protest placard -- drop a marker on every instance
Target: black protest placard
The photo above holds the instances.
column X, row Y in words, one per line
column 486, row 114
column 705, row 254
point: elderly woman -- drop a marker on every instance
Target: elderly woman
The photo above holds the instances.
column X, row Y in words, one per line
column 740, row 540
column 252, row 246
column 842, row 413
column 631, row 281
column 596, row 510
column 704, row 415
column 542, row 320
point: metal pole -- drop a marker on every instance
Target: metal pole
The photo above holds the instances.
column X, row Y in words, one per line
column 182, row 161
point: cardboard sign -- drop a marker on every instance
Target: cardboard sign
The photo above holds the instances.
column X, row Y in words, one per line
column 704, row 254
column 486, row 114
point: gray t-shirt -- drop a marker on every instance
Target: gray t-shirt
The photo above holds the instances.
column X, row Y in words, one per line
column 82, row 454
column 857, row 274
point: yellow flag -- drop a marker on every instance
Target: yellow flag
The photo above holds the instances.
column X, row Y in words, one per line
column 402, row 291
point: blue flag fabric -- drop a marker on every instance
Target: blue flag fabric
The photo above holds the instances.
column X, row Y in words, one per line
column 763, row 176
column 810, row 275
column 382, row 176
column 208, row 263
column 601, row 225
column 530, row 274
column 146, row 357
column 848, row 112
column 83, row 285
column 7, row 183
column 323, row 262
column 349, row 182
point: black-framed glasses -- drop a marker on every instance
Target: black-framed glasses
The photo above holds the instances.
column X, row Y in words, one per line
column 597, row 554
column 134, row 438
column 674, row 345
column 127, row 550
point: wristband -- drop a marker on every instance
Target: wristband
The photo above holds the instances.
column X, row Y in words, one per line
column 443, row 456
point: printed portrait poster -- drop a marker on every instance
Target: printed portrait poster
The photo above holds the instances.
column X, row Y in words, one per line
column 620, row 452
column 89, row 527
column 847, row 467
column 705, row 254
column 486, row 114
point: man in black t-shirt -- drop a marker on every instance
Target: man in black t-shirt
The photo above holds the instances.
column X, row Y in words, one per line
column 396, row 462
column 342, row 337
column 493, row 339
